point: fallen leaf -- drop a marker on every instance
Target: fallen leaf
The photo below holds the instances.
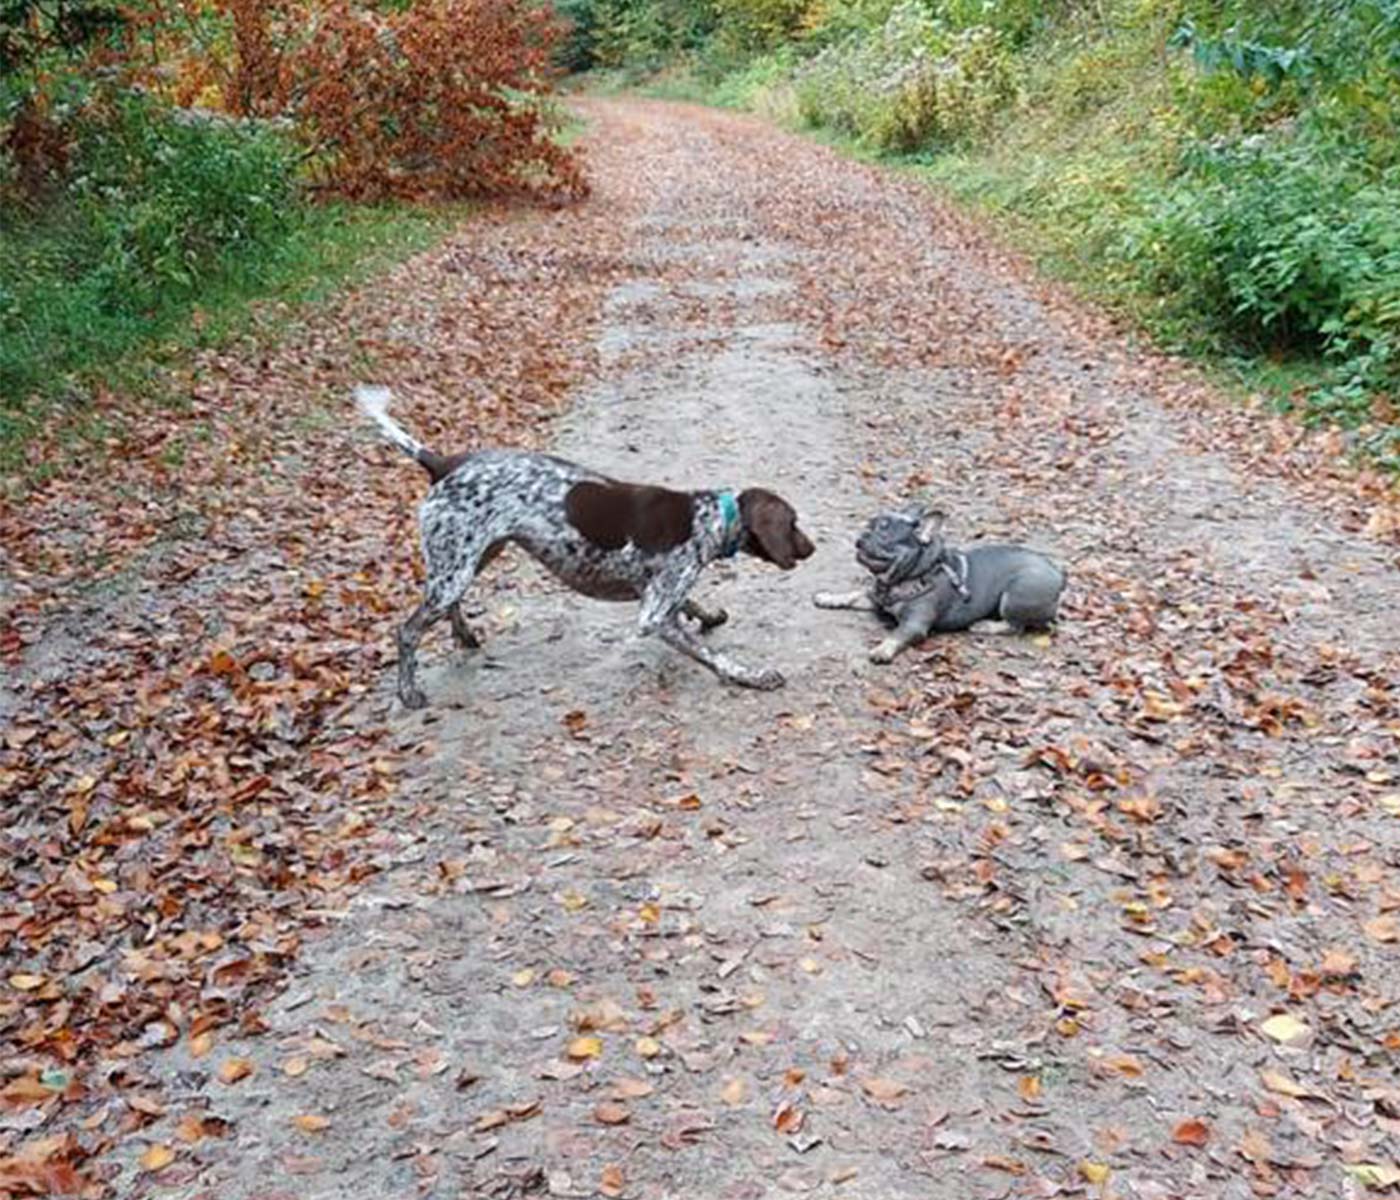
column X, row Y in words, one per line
column 632, row 1089
column 609, row 1113
column 157, row 1157
column 1285, row 1028
column 1093, row 1172
column 231, row 1070
column 611, row 1182
column 886, row 1091
column 1280, row 1084
column 146, row 1104
column 1255, row 1147
column 26, row 983
column 311, row 1123
column 648, row 1047
column 194, row 1127
column 573, row 900
column 296, row 1066
column 1374, row 1175
column 585, row 1047
column 1337, row 963
column 1028, row 1086
column 1385, row 928
column 1192, row 1132
column 788, row 1118
column 735, row 1092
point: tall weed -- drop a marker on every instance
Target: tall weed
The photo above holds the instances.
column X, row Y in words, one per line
column 912, row 84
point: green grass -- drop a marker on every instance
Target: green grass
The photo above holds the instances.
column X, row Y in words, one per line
column 71, row 348
column 163, row 237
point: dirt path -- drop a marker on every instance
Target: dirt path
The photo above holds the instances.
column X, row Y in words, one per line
column 1004, row 919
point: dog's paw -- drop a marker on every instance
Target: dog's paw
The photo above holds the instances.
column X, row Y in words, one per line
column 884, row 652
column 769, row 680
column 466, row 637
column 413, row 698
column 713, row 620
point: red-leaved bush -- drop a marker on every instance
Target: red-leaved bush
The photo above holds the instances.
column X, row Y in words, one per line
column 444, row 98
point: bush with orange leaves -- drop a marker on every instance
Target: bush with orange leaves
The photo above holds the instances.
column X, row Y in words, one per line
column 435, row 98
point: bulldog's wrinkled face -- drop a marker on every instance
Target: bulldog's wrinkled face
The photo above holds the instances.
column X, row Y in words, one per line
column 891, row 538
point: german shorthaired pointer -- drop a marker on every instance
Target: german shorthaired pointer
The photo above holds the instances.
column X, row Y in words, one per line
column 605, row 539
column 922, row 585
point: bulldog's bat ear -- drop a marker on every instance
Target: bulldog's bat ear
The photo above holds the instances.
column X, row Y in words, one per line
column 931, row 522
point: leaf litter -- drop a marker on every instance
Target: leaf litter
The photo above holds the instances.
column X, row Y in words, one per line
column 1110, row 910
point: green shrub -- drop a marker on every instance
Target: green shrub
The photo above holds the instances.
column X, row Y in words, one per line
column 154, row 209
column 911, row 85
column 1278, row 246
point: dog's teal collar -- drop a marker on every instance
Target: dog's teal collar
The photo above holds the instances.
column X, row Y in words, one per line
column 731, row 531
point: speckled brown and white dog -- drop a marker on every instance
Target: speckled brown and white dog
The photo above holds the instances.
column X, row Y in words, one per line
column 605, row 539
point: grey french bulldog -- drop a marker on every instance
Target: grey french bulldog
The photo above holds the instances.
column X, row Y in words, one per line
column 923, row 585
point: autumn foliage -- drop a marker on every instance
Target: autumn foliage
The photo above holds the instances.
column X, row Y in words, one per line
column 438, row 98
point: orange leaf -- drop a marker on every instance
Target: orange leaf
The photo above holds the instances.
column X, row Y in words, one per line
column 611, row 1182
column 788, row 1118
column 1384, row 928
column 1191, row 1132
column 886, row 1091
column 632, row 1089
column 608, row 1113
column 311, row 1123
column 157, row 1157
column 231, row 1070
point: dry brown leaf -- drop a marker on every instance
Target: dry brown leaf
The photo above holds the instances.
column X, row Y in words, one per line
column 788, row 1118
column 609, row 1113
column 1385, row 928
column 231, row 1070
column 311, row 1123
column 1255, row 1147
column 1191, row 1132
column 886, row 1091
column 157, row 1157
column 735, row 1092
column 611, row 1183
column 1279, row 1083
